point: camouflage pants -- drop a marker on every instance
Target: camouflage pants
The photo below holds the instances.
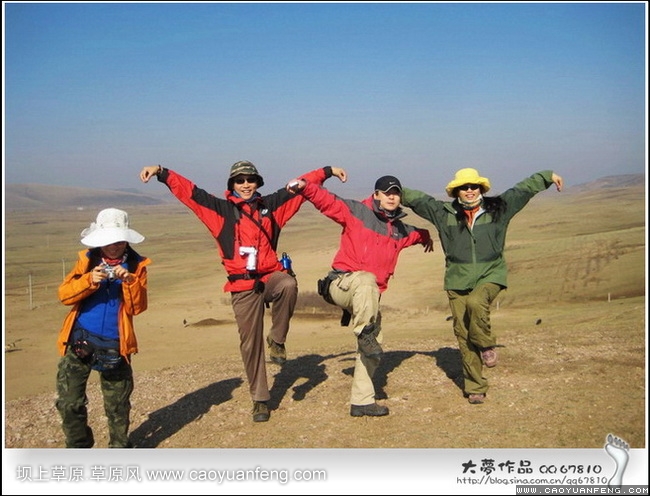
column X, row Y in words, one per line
column 116, row 386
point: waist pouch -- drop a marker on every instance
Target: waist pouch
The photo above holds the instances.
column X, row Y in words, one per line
column 324, row 285
column 98, row 352
column 324, row 291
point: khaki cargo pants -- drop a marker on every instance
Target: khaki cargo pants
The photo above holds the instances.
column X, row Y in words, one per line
column 358, row 293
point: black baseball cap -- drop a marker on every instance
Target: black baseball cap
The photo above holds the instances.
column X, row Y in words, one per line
column 385, row 183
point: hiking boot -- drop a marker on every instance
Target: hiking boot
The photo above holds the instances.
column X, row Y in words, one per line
column 372, row 410
column 476, row 398
column 260, row 411
column 489, row 357
column 368, row 344
column 277, row 352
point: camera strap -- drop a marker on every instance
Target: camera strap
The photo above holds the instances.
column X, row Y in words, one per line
column 259, row 224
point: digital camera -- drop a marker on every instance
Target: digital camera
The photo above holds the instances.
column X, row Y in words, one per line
column 109, row 271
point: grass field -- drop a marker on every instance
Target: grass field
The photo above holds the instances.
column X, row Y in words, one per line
column 572, row 324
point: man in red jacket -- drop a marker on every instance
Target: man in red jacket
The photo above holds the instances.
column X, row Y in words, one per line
column 246, row 227
column 372, row 238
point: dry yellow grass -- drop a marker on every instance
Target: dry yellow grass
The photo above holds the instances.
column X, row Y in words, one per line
column 572, row 325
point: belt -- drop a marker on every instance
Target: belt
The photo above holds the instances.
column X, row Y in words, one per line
column 247, row 276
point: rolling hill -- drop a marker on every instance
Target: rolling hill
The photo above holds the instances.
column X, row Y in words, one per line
column 34, row 196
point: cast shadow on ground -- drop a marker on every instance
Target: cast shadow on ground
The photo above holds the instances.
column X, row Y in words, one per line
column 167, row 421
column 310, row 367
column 447, row 359
column 450, row 362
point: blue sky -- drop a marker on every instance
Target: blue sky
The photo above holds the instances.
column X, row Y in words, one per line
column 93, row 92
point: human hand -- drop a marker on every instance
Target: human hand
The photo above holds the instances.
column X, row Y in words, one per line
column 428, row 246
column 296, row 185
column 123, row 274
column 340, row 173
column 559, row 182
column 98, row 274
column 148, row 172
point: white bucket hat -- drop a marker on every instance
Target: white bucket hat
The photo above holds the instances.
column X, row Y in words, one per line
column 111, row 226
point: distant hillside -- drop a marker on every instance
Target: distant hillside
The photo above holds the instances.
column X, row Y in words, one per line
column 43, row 196
column 34, row 196
column 620, row 181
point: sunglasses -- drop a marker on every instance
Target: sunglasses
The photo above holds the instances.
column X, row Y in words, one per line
column 250, row 179
column 466, row 187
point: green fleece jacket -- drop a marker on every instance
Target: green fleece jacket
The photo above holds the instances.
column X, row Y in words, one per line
column 475, row 256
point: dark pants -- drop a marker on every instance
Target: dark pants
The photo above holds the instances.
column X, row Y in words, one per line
column 281, row 291
column 116, row 386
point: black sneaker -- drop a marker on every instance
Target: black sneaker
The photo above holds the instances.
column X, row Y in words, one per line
column 260, row 411
column 277, row 352
column 372, row 410
column 368, row 344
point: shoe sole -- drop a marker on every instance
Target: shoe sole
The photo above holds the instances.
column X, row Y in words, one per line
column 490, row 363
column 375, row 355
column 376, row 352
column 363, row 414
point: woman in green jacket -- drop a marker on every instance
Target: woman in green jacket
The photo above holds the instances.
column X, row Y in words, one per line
column 472, row 230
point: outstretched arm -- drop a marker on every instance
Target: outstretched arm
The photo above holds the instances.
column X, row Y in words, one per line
column 297, row 185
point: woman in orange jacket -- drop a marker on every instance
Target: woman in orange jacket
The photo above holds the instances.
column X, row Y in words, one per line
column 106, row 288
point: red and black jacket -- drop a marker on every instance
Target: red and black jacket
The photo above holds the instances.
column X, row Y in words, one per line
column 236, row 223
column 370, row 241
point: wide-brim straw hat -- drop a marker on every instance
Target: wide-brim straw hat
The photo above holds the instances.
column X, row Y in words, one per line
column 111, row 226
column 468, row 176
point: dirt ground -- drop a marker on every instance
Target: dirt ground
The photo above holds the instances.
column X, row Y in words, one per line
column 572, row 329
column 586, row 382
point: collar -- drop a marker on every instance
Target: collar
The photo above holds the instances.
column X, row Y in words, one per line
column 237, row 199
column 471, row 206
column 398, row 213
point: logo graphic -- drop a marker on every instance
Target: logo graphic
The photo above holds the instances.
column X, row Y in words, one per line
column 618, row 449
